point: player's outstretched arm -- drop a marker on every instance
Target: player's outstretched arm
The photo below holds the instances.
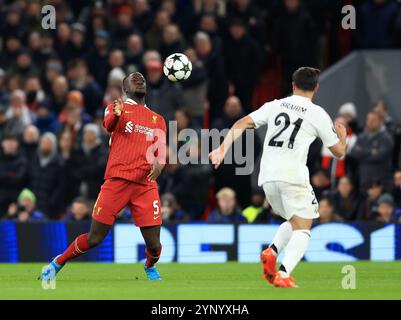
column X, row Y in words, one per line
column 112, row 114
column 339, row 149
column 217, row 155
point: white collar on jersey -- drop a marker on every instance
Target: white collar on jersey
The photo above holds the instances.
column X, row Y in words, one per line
column 301, row 97
column 133, row 102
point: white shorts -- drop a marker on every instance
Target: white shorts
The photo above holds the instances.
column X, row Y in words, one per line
column 289, row 199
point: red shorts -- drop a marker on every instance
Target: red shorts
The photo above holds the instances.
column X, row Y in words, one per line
column 115, row 194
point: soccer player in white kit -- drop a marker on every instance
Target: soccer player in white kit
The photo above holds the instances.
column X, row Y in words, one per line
column 293, row 123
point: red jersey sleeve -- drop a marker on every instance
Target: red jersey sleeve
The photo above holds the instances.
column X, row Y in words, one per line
column 109, row 120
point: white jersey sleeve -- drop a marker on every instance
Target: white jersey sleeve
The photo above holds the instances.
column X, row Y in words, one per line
column 325, row 130
column 260, row 117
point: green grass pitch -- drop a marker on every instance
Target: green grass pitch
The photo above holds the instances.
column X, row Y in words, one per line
column 374, row 280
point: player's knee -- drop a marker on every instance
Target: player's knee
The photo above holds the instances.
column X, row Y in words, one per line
column 95, row 239
column 154, row 248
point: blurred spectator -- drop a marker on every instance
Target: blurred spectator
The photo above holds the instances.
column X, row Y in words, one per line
column 30, row 141
column 171, row 211
column 320, row 182
column 172, row 41
column 227, row 210
column 184, row 176
column 153, row 37
column 339, row 167
column 112, row 93
column 46, row 121
column 65, row 150
column 376, row 24
column 10, row 51
column 97, row 57
column 195, row 88
column 243, row 62
column 58, row 96
column 34, row 93
column 78, row 40
column 24, row 65
column 13, row 26
column 62, row 42
column 348, row 112
column 252, row 17
column 326, row 211
column 10, row 126
column 143, row 16
column 79, row 211
column 387, row 212
column 373, row 152
column 18, row 108
column 25, row 210
column 46, row 176
column 162, row 95
column 369, row 206
column 397, row 188
column 47, row 49
column 346, row 199
column 13, row 168
column 267, row 215
column 53, row 69
column 225, row 175
column 295, row 39
column 124, row 27
column 208, row 23
column 89, row 162
column 32, row 17
column 74, row 116
column 252, row 212
column 213, row 61
column 393, row 128
column 3, row 91
column 134, row 53
column 80, row 80
column 116, row 59
column 183, row 121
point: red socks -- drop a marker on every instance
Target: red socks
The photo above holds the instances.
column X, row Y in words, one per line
column 151, row 260
column 80, row 245
column 77, row 248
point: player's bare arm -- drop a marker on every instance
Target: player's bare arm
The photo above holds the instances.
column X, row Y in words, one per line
column 338, row 150
column 217, row 155
column 155, row 171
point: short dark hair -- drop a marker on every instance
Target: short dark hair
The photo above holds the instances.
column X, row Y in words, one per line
column 81, row 200
column 306, row 78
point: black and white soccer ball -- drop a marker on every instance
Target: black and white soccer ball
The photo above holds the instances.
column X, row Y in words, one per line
column 177, row 67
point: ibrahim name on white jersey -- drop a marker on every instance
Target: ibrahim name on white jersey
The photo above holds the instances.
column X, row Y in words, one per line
column 293, row 123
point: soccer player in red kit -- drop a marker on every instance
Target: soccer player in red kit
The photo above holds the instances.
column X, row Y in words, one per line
column 137, row 157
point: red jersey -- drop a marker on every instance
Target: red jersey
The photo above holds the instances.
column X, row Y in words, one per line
column 136, row 136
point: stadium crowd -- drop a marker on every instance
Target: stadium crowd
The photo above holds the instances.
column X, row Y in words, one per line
column 54, row 85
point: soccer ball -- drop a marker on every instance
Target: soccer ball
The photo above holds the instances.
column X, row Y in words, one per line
column 177, row 67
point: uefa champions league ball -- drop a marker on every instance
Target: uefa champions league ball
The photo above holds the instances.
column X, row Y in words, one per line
column 177, row 67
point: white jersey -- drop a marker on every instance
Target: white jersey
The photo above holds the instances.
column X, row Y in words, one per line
column 293, row 123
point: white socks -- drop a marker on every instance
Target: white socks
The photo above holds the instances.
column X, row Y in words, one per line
column 295, row 249
column 282, row 236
